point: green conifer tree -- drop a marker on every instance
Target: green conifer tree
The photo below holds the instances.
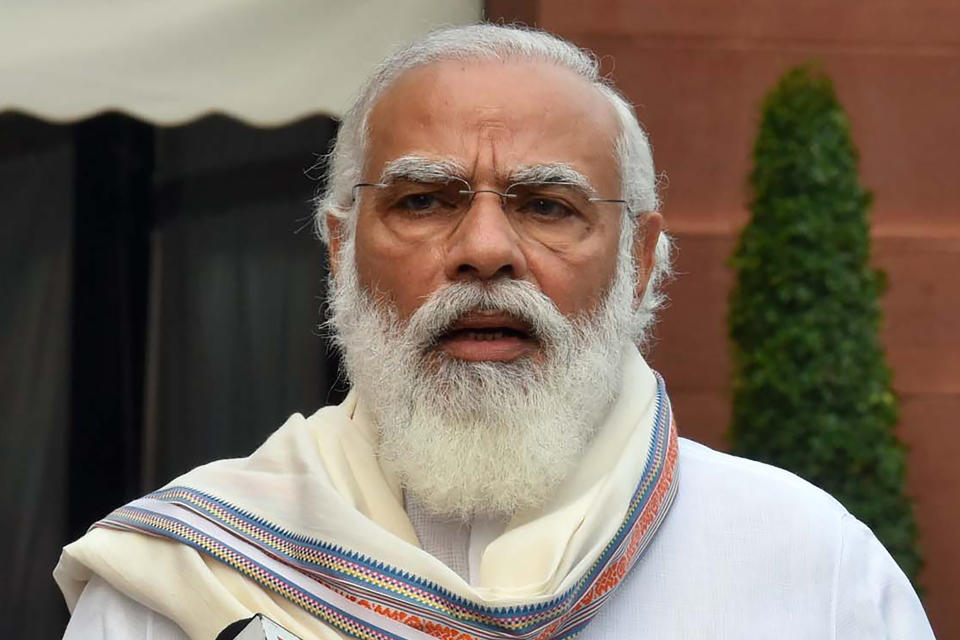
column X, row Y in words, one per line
column 812, row 392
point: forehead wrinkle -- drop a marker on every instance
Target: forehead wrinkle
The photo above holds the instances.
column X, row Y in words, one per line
column 422, row 169
column 552, row 172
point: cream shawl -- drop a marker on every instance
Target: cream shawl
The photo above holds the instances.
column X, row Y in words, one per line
column 312, row 532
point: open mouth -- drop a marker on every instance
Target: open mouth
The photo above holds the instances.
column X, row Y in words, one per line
column 485, row 333
column 488, row 336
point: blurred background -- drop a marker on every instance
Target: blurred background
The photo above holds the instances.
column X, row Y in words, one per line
column 162, row 286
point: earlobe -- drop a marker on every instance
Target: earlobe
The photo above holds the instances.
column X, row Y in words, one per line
column 645, row 237
column 334, row 228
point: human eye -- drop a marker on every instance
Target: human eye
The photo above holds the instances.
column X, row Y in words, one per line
column 546, row 205
column 421, row 199
column 418, row 202
column 548, row 208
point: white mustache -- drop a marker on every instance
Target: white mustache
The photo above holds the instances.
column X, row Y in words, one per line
column 517, row 298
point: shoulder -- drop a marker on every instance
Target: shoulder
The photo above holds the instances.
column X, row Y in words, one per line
column 746, row 486
column 751, row 521
column 750, row 550
column 771, row 528
column 291, row 449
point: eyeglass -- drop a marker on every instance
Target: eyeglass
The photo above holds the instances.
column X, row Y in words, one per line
column 552, row 213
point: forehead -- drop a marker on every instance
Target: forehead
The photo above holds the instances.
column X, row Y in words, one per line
column 493, row 116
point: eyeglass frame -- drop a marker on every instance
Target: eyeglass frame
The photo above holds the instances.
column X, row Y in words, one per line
column 503, row 194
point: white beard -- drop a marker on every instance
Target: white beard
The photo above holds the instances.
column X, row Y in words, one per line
column 482, row 438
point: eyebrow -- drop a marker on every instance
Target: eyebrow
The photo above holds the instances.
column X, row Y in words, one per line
column 416, row 168
column 554, row 172
column 421, row 169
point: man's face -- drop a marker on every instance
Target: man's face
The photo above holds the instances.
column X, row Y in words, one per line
column 486, row 339
column 492, row 120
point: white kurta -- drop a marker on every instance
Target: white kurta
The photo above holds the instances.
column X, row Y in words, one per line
column 746, row 551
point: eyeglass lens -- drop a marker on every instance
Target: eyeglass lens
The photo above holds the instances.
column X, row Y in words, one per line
column 554, row 214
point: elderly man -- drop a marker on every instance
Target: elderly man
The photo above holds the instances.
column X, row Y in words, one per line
column 506, row 465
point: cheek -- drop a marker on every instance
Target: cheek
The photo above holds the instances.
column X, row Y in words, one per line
column 579, row 279
column 402, row 274
column 575, row 283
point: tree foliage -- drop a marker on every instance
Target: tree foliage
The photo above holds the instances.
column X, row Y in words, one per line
column 812, row 392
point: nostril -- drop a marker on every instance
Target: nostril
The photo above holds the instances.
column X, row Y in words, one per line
column 467, row 269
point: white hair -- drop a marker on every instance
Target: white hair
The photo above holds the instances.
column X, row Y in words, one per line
column 480, row 438
column 487, row 42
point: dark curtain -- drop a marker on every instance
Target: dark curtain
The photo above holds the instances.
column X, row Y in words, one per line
column 238, row 281
column 112, row 211
column 161, row 295
column 36, row 235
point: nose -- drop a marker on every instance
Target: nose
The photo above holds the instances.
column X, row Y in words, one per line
column 485, row 245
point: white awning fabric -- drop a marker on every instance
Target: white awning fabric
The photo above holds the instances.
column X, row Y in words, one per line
column 266, row 62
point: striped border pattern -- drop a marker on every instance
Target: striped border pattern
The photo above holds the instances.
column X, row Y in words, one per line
column 151, row 523
column 401, row 596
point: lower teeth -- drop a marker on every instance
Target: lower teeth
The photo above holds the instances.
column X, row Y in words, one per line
column 484, row 336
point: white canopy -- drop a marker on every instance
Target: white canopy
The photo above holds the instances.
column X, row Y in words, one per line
column 266, row 62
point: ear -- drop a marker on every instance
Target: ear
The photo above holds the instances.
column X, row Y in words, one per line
column 645, row 237
column 334, row 230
